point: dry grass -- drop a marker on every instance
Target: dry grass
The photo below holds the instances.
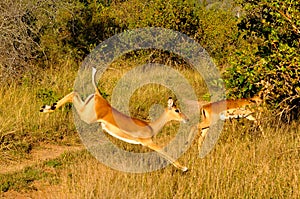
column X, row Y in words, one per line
column 242, row 164
column 236, row 168
column 22, row 127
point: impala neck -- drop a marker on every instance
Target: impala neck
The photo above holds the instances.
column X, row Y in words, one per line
column 158, row 124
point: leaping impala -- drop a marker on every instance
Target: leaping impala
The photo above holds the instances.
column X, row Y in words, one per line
column 225, row 109
column 131, row 130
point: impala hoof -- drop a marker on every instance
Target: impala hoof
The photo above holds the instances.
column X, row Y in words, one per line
column 184, row 169
column 47, row 108
column 53, row 107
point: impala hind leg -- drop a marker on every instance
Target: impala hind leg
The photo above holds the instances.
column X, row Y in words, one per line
column 85, row 109
column 48, row 109
column 251, row 118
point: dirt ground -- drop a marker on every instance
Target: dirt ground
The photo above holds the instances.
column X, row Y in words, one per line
column 38, row 155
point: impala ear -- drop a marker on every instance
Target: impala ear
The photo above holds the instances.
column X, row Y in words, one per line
column 170, row 103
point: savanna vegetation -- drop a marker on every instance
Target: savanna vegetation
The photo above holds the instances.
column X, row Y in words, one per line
column 254, row 44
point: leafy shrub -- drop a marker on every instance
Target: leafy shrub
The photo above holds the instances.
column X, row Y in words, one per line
column 272, row 58
column 47, row 96
column 213, row 28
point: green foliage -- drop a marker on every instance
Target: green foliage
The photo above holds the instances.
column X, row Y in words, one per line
column 51, row 33
column 271, row 59
column 75, row 30
column 47, row 96
column 72, row 33
column 20, row 181
column 53, row 163
column 175, row 14
column 266, row 45
column 213, row 28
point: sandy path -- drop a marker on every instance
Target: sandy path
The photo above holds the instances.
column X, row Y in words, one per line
column 38, row 155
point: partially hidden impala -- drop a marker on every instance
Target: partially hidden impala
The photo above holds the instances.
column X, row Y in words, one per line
column 225, row 109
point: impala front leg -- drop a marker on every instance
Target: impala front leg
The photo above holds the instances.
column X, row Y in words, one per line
column 192, row 134
column 159, row 150
column 202, row 137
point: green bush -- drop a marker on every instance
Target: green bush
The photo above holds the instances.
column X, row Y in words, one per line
column 50, row 33
column 213, row 28
column 272, row 57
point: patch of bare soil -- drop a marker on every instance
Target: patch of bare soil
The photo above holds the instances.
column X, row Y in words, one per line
column 38, row 155
column 14, row 195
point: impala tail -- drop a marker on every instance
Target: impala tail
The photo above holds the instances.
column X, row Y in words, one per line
column 94, row 72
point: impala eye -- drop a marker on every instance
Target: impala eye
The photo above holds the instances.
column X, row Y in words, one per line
column 177, row 110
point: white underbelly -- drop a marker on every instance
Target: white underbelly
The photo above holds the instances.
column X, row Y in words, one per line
column 118, row 137
column 235, row 113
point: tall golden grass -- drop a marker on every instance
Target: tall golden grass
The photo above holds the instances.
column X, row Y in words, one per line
column 242, row 165
column 238, row 167
column 22, row 126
